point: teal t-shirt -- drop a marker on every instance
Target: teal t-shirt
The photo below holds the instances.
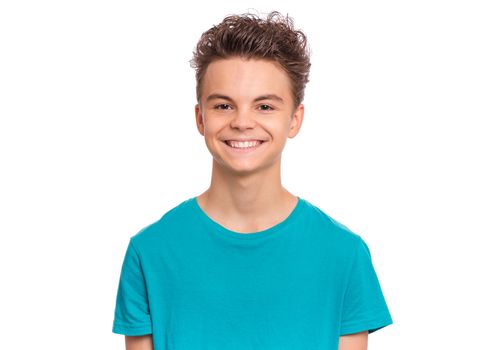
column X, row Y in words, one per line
column 196, row 285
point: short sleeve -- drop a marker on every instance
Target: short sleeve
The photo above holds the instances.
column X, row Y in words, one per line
column 132, row 314
column 364, row 307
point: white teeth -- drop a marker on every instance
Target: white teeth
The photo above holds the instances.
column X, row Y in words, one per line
column 246, row 144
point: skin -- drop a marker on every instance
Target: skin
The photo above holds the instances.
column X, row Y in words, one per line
column 356, row 341
column 144, row 342
column 246, row 194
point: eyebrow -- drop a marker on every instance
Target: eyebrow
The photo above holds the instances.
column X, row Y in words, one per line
column 259, row 98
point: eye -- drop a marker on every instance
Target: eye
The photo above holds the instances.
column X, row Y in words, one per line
column 223, row 106
column 266, row 108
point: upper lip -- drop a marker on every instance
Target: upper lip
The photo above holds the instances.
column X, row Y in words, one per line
column 243, row 140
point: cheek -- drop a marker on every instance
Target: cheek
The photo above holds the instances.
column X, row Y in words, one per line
column 277, row 130
column 212, row 133
column 209, row 126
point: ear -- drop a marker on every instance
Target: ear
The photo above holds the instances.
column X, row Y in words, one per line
column 296, row 121
column 199, row 119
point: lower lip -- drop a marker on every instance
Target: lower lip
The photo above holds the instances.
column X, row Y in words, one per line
column 244, row 150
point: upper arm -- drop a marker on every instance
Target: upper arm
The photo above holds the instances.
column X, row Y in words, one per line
column 141, row 342
column 132, row 312
column 356, row 341
column 363, row 306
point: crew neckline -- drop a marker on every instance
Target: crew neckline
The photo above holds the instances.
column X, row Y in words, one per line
column 221, row 230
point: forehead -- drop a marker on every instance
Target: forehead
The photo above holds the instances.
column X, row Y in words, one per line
column 246, row 78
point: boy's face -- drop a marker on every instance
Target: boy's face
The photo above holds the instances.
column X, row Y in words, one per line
column 247, row 100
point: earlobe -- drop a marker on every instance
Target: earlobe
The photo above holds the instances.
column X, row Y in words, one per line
column 199, row 119
column 297, row 120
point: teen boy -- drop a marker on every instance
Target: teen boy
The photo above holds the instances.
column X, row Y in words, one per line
column 247, row 264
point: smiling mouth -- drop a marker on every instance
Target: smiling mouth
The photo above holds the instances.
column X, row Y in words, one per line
column 243, row 144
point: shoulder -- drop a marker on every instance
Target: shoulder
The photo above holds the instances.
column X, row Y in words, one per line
column 167, row 223
column 320, row 219
column 337, row 234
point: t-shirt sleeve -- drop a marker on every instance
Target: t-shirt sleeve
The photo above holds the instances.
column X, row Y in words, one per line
column 132, row 313
column 364, row 307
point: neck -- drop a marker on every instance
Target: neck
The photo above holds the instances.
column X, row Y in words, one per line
column 249, row 201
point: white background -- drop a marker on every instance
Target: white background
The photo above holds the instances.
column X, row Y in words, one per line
column 98, row 139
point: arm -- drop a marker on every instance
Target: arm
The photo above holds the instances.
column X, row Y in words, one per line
column 356, row 341
column 143, row 342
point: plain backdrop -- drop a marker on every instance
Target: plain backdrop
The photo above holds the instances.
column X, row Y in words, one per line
column 98, row 139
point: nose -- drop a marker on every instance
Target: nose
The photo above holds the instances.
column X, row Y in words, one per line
column 242, row 119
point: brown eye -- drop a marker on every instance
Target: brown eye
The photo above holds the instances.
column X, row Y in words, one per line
column 222, row 106
column 267, row 108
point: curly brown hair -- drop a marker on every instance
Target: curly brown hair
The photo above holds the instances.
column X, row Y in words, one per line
column 248, row 36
